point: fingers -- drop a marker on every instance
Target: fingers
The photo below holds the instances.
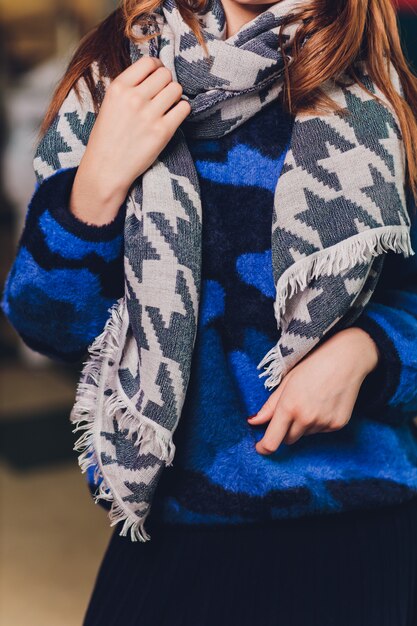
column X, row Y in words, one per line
column 314, row 429
column 155, row 82
column 275, row 433
column 286, row 427
column 266, row 412
column 138, row 71
column 176, row 115
column 295, row 432
column 164, row 100
column 288, row 424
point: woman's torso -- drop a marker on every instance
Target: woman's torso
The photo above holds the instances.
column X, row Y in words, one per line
column 217, row 475
column 67, row 274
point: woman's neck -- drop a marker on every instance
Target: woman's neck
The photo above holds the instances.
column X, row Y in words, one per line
column 238, row 14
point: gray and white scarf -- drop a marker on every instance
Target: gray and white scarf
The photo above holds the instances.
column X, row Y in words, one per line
column 338, row 207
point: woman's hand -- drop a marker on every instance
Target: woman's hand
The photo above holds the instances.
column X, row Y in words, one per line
column 140, row 113
column 319, row 393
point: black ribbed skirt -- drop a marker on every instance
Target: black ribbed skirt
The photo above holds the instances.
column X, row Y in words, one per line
column 356, row 568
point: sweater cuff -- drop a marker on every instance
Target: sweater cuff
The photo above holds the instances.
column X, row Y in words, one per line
column 54, row 193
column 379, row 386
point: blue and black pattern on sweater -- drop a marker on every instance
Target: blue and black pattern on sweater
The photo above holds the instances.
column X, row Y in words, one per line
column 67, row 274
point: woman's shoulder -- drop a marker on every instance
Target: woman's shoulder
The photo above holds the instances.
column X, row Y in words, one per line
column 101, row 56
column 63, row 142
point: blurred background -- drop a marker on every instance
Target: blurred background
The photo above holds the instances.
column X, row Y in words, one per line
column 52, row 537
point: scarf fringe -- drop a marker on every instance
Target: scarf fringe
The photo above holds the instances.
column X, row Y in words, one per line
column 105, row 348
column 334, row 260
column 338, row 258
column 275, row 367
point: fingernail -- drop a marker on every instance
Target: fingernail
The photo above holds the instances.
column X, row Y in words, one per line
column 252, row 416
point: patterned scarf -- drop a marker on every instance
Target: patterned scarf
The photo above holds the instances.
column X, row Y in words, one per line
column 339, row 206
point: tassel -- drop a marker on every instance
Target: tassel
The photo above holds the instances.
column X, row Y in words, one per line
column 104, row 350
column 332, row 261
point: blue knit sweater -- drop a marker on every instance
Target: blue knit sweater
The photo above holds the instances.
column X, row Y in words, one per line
column 67, row 274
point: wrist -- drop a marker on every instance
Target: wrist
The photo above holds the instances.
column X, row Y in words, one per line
column 366, row 350
column 96, row 197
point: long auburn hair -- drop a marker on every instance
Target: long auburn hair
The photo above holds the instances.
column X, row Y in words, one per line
column 338, row 34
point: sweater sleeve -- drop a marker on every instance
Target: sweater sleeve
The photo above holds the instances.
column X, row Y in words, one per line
column 66, row 273
column 390, row 318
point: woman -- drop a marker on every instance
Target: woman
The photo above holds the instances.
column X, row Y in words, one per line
column 256, row 522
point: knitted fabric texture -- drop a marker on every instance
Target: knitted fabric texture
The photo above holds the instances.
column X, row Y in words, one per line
column 339, row 206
